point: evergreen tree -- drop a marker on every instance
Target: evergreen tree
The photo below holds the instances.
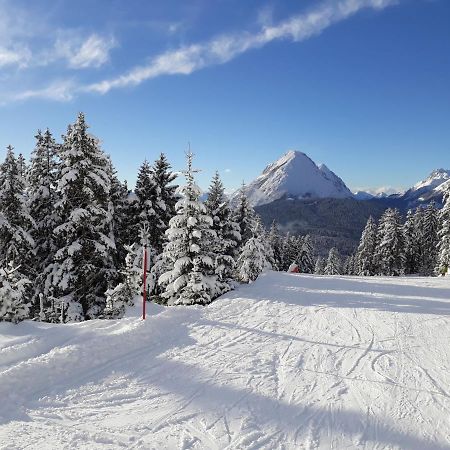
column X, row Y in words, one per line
column 366, row 249
column 412, row 244
column 389, row 253
column 319, row 268
column 147, row 193
column 443, row 264
column 84, row 261
column 22, row 166
column 16, row 242
column 166, row 198
column 191, row 278
column 276, row 242
column 291, row 251
column 225, row 245
column 245, row 217
column 333, row 265
column 347, row 266
column 42, row 181
column 14, row 306
column 119, row 210
column 123, row 294
column 252, row 260
column 429, row 240
column 306, row 261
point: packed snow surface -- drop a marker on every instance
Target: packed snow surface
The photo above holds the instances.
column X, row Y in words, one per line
column 290, row 361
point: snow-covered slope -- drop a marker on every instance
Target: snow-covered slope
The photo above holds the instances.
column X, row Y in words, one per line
column 290, row 361
column 295, row 175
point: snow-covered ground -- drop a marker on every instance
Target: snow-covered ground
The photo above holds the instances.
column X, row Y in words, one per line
column 291, row 361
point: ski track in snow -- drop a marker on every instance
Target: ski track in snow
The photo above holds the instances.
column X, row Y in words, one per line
column 288, row 362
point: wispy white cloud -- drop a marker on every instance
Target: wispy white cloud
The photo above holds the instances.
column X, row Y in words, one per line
column 16, row 55
column 388, row 190
column 92, row 51
column 188, row 59
column 62, row 91
column 27, row 42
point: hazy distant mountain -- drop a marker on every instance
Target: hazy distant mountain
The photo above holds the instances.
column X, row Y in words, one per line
column 339, row 221
column 296, row 176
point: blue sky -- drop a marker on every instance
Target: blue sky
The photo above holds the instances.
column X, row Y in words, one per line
column 360, row 85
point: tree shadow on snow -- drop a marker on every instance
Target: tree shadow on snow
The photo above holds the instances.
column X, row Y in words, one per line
column 214, row 403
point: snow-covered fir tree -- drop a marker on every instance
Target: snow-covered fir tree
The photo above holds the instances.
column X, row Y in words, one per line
column 252, row 260
column 429, row 239
column 443, row 264
column 84, row 261
column 319, row 268
column 225, row 246
column 333, row 265
column 412, row 245
column 191, row 278
column 16, row 242
column 347, row 265
column 120, row 210
column 291, row 250
column 164, row 204
column 22, row 166
column 276, row 242
column 42, row 197
column 121, row 296
column 244, row 215
column 306, row 259
column 147, row 193
column 14, row 305
column 366, row 249
column 389, row 253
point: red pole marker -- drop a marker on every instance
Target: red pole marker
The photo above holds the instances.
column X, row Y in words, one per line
column 144, row 293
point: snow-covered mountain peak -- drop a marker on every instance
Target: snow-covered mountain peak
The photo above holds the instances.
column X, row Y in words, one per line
column 436, row 178
column 295, row 175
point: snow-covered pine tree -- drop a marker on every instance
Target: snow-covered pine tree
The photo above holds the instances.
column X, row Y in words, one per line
column 276, row 242
column 22, row 166
column 319, row 268
column 147, row 195
column 412, row 245
column 252, row 260
column 42, row 197
column 119, row 208
column 346, row 265
column 389, row 252
column 14, row 306
column 84, row 261
column 226, row 244
column 191, row 278
column 164, row 205
column 306, row 260
column 366, row 249
column 123, row 294
column 429, row 239
column 291, row 251
column 16, row 242
column 443, row 265
column 333, row 265
column 244, row 215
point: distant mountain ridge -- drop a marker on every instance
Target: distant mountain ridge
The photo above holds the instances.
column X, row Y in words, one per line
column 296, row 176
column 305, row 198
